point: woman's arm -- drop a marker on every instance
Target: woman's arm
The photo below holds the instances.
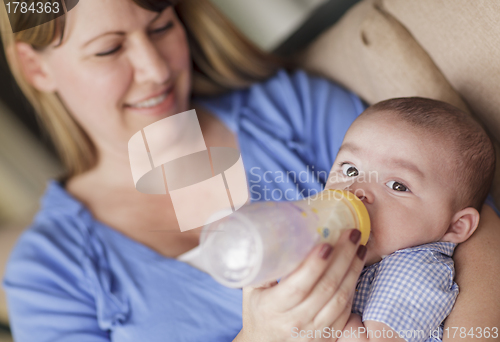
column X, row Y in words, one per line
column 477, row 264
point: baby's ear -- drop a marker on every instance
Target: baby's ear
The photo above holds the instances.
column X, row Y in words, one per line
column 462, row 225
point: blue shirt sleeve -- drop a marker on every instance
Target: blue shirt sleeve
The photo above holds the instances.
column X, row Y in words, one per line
column 413, row 292
column 47, row 294
column 72, row 278
column 291, row 123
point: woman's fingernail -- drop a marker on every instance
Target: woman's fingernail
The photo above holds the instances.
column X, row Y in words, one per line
column 325, row 251
column 361, row 252
column 355, row 236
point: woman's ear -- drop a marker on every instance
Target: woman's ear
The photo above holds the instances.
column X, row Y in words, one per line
column 33, row 68
column 462, row 225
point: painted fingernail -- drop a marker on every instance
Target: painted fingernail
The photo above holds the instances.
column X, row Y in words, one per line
column 361, row 252
column 325, row 251
column 355, row 236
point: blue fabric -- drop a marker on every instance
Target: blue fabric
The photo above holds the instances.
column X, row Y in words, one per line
column 71, row 278
column 490, row 202
column 411, row 290
column 289, row 132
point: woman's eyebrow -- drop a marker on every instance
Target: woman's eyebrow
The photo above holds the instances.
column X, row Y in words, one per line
column 121, row 33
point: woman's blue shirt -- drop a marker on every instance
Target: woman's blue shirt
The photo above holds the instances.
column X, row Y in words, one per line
column 72, row 278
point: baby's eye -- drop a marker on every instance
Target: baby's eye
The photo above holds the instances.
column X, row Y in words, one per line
column 349, row 170
column 397, row 186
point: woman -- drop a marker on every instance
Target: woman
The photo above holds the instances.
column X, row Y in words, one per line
column 92, row 268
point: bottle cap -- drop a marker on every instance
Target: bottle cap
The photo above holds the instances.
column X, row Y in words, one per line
column 361, row 212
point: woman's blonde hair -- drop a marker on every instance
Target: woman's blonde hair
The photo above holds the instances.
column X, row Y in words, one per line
column 223, row 59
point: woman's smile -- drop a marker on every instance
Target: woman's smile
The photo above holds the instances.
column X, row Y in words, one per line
column 156, row 104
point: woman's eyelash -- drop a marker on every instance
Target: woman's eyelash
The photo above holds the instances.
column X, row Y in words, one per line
column 110, row 52
column 168, row 26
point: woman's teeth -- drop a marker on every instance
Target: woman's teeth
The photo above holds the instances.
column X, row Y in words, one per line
column 151, row 102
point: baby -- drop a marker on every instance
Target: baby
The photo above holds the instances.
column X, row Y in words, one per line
column 423, row 168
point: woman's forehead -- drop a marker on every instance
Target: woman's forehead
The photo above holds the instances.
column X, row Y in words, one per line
column 93, row 17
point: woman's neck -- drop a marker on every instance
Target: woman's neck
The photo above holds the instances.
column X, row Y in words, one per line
column 113, row 167
column 108, row 191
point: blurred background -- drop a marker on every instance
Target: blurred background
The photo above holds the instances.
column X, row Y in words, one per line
column 27, row 158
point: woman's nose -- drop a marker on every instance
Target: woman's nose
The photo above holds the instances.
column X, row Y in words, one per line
column 149, row 64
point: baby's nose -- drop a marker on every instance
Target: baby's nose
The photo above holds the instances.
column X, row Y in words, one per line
column 361, row 197
column 359, row 193
column 362, row 193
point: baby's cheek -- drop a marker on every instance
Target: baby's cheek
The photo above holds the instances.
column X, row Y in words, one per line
column 393, row 231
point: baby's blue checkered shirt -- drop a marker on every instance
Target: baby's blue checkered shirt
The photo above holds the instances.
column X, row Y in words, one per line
column 411, row 290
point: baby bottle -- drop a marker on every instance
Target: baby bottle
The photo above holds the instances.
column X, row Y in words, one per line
column 265, row 241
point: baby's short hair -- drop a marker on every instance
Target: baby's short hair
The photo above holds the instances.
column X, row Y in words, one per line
column 473, row 149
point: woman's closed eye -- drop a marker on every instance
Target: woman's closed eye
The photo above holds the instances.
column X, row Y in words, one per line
column 109, row 51
column 397, row 186
column 117, row 48
column 162, row 29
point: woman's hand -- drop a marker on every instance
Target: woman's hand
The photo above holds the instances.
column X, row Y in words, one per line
column 316, row 296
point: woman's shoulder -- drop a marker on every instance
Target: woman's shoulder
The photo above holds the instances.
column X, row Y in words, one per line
column 287, row 96
column 296, row 83
column 60, row 217
column 56, row 281
column 297, row 80
column 55, row 239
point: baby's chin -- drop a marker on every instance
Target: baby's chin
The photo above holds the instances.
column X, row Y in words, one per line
column 370, row 260
column 372, row 256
